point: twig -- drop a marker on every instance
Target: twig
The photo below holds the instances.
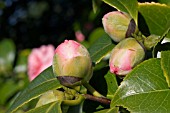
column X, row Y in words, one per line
column 102, row 100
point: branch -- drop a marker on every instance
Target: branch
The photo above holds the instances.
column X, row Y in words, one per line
column 102, row 100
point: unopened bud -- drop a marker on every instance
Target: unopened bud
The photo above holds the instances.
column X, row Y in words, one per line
column 119, row 25
column 125, row 56
column 72, row 63
column 151, row 41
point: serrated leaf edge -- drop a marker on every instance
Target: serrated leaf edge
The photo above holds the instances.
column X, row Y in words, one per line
column 124, row 106
column 152, row 3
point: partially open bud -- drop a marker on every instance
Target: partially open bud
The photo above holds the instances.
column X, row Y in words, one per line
column 72, row 63
column 119, row 25
column 125, row 55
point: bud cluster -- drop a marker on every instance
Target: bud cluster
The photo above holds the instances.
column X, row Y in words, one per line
column 72, row 63
column 120, row 26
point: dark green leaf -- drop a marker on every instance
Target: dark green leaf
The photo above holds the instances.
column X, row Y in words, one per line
column 165, row 63
column 101, row 48
column 148, row 102
column 96, row 34
column 76, row 109
column 112, row 85
column 143, row 88
column 156, row 48
column 44, row 82
column 125, row 6
column 156, row 17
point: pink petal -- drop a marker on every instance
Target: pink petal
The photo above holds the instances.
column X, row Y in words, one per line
column 68, row 49
column 39, row 59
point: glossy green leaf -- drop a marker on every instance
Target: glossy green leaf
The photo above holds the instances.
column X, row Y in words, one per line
column 44, row 82
column 143, row 88
column 101, row 48
column 165, row 63
column 53, row 107
column 125, row 6
column 148, row 102
column 112, row 85
column 156, row 17
column 7, row 55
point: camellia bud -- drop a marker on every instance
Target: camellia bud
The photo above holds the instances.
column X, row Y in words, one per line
column 72, row 63
column 119, row 25
column 125, row 55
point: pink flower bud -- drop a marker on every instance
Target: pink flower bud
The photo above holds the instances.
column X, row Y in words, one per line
column 39, row 59
column 79, row 36
column 72, row 63
column 119, row 25
column 125, row 56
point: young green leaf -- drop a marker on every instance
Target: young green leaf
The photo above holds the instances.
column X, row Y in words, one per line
column 143, row 88
column 101, row 48
column 44, row 82
column 165, row 63
column 130, row 7
column 53, row 107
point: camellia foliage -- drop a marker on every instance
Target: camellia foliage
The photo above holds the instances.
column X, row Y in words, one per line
column 145, row 89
